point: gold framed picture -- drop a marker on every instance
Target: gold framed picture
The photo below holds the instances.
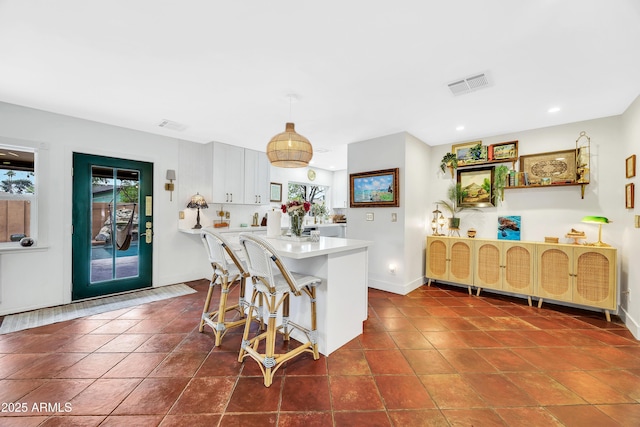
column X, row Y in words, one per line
column 374, row 189
column 275, row 192
column 631, row 166
column 629, row 194
column 555, row 166
column 465, row 153
column 504, row 150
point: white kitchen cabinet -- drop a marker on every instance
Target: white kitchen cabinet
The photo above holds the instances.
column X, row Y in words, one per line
column 256, row 178
column 228, row 174
column 339, row 189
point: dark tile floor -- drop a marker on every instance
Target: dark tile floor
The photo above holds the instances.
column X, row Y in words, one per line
column 436, row 357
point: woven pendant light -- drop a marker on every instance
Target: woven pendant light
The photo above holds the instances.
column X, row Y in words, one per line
column 289, row 149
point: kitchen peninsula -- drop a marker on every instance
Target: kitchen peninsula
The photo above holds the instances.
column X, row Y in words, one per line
column 342, row 264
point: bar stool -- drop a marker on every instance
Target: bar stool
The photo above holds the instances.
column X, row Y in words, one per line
column 227, row 268
column 275, row 285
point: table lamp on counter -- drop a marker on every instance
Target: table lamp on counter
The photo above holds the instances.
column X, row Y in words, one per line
column 197, row 202
column 597, row 220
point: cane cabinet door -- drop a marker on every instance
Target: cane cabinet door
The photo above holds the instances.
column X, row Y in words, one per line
column 554, row 272
column 449, row 259
column 594, row 274
column 504, row 265
column 437, row 255
column 489, row 264
column 518, row 267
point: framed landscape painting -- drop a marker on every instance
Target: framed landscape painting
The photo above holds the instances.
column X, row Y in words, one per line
column 374, row 189
column 477, row 187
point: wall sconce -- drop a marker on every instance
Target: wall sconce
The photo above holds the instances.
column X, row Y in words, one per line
column 171, row 175
column 392, row 268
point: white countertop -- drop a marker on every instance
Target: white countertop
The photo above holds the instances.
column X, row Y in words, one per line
column 325, row 246
column 249, row 229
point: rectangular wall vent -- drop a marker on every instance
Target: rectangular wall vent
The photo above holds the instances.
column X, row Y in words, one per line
column 168, row 124
column 469, row 84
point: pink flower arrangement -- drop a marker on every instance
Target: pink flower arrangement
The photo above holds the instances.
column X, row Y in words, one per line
column 296, row 208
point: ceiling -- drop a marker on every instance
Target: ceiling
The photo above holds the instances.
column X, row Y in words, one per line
column 359, row 69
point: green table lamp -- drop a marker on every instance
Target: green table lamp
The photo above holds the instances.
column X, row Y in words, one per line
column 597, row 220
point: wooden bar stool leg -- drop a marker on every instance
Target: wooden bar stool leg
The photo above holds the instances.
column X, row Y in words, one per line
column 207, row 303
column 222, row 310
column 285, row 317
column 269, row 361
column 247, row 325
column 242, row 303
column 314, row 328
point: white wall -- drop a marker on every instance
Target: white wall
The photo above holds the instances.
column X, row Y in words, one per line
column 554, row 211
column 630, row 269
column 40, row 278
column 400, row 243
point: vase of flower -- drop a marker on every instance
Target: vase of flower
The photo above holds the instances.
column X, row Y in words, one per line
column 296, row 226
column 296, row 210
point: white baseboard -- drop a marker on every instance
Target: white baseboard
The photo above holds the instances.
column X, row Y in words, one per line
column 630, row 323
column 396, row 288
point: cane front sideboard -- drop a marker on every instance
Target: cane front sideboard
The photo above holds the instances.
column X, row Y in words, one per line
column 577, row 274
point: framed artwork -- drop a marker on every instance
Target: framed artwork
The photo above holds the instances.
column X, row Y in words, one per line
column 509, row 227
column 374, row 189
column 631, row 166
column 275, row 192
column 629, row 194
column 505, row 150
column 464, row 153
column 477, row 187
column 557, row 166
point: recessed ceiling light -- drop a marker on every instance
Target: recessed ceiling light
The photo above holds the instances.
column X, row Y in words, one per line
column 460, row 128
column 553, row 110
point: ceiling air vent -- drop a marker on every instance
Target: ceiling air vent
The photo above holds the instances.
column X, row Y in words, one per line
column 171, row 125
column 469, row 84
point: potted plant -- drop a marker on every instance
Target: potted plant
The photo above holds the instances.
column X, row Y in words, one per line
column 500, row 176
column 449, row 160
column 455, row 194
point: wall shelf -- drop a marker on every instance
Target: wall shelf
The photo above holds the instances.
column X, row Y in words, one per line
column 511, row 160
column 568, row 184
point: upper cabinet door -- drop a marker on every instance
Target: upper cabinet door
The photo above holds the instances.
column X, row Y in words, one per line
column 256, row 178
column 340, row 189
column 228, row 174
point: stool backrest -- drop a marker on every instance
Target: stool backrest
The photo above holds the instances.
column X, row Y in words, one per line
column 220, row 252
column 261, row 260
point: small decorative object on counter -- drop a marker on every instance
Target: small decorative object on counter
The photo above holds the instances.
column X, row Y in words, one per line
column 471, row 233
column 576, row 236
column 549, row 239
column 296, row 210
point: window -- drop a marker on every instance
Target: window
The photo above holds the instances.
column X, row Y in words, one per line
column 314, row 194
column 17, row 193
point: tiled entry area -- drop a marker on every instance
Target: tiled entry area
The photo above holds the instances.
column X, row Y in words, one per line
column 436, row 357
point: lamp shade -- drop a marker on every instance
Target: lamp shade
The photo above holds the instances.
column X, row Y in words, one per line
column 197, row 201
column 595, row 220
column 171, row 174
column 289, row 149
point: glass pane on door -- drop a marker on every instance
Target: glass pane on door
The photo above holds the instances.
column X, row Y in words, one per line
column 115, row 201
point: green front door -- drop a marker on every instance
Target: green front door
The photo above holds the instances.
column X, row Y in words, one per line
column 112, row 244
